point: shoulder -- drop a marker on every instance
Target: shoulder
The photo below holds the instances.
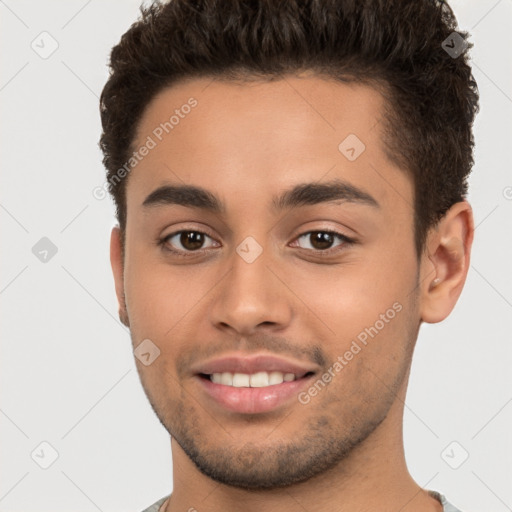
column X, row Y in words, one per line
column 447, row 507
column 155, row 507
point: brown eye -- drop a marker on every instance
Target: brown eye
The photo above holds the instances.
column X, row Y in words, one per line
column 322, row 240
column 186, row 241
column 191, row 240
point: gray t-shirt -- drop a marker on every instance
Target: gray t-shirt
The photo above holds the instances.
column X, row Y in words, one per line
column 447, row 507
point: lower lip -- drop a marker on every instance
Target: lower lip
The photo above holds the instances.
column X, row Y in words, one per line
column 253, row 400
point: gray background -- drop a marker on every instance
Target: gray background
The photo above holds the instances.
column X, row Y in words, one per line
column 67, row 373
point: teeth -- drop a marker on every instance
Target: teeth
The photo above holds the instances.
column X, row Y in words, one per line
column 259, row 380
column 275, row 378
column 241, row 380
column 217, row 378
column 226, row 378
column 256, row 380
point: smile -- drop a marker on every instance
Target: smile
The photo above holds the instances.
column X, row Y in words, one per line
column 255, row 380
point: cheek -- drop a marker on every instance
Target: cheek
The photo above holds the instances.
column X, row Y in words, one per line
column 159, row 296
column 366, row 312
column 366, row 364
column 352, row 296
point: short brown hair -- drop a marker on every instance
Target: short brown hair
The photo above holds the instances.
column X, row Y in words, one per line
column 400, row 46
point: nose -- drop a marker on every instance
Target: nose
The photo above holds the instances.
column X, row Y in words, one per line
column 252, row 295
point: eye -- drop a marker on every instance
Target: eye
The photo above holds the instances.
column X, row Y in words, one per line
column 189, row 240
column 322, row 241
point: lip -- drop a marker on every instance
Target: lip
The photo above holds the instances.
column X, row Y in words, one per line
column 253, row 400
column 253, row 364
column 246, row 400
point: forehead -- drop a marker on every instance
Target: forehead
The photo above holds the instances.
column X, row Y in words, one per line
column 246, row 139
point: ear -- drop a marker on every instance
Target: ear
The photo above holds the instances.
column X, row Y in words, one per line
column 117, row 263
column 445, row 262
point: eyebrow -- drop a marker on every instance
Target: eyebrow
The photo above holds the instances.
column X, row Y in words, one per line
column 303, row 194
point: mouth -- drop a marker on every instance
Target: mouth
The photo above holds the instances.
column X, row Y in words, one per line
column 255, row 393
column 252, row 383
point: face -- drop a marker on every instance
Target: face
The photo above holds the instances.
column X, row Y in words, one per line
column 295, row 257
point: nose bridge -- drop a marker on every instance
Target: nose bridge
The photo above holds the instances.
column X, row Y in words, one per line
column 250, row 294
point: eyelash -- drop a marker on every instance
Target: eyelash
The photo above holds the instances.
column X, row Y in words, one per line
column 318, row 252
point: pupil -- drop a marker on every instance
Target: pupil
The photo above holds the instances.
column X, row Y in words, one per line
column 192, row 240
column 321, row 240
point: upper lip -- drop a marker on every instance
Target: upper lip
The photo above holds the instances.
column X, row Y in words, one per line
column 253, row 364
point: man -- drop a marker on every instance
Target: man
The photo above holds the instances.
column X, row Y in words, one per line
column 290, row 183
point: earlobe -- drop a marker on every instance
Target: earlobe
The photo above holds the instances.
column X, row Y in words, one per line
column 446, row 263
column 117, row 263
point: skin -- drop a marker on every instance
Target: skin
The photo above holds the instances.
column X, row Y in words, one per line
column 246, row 143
